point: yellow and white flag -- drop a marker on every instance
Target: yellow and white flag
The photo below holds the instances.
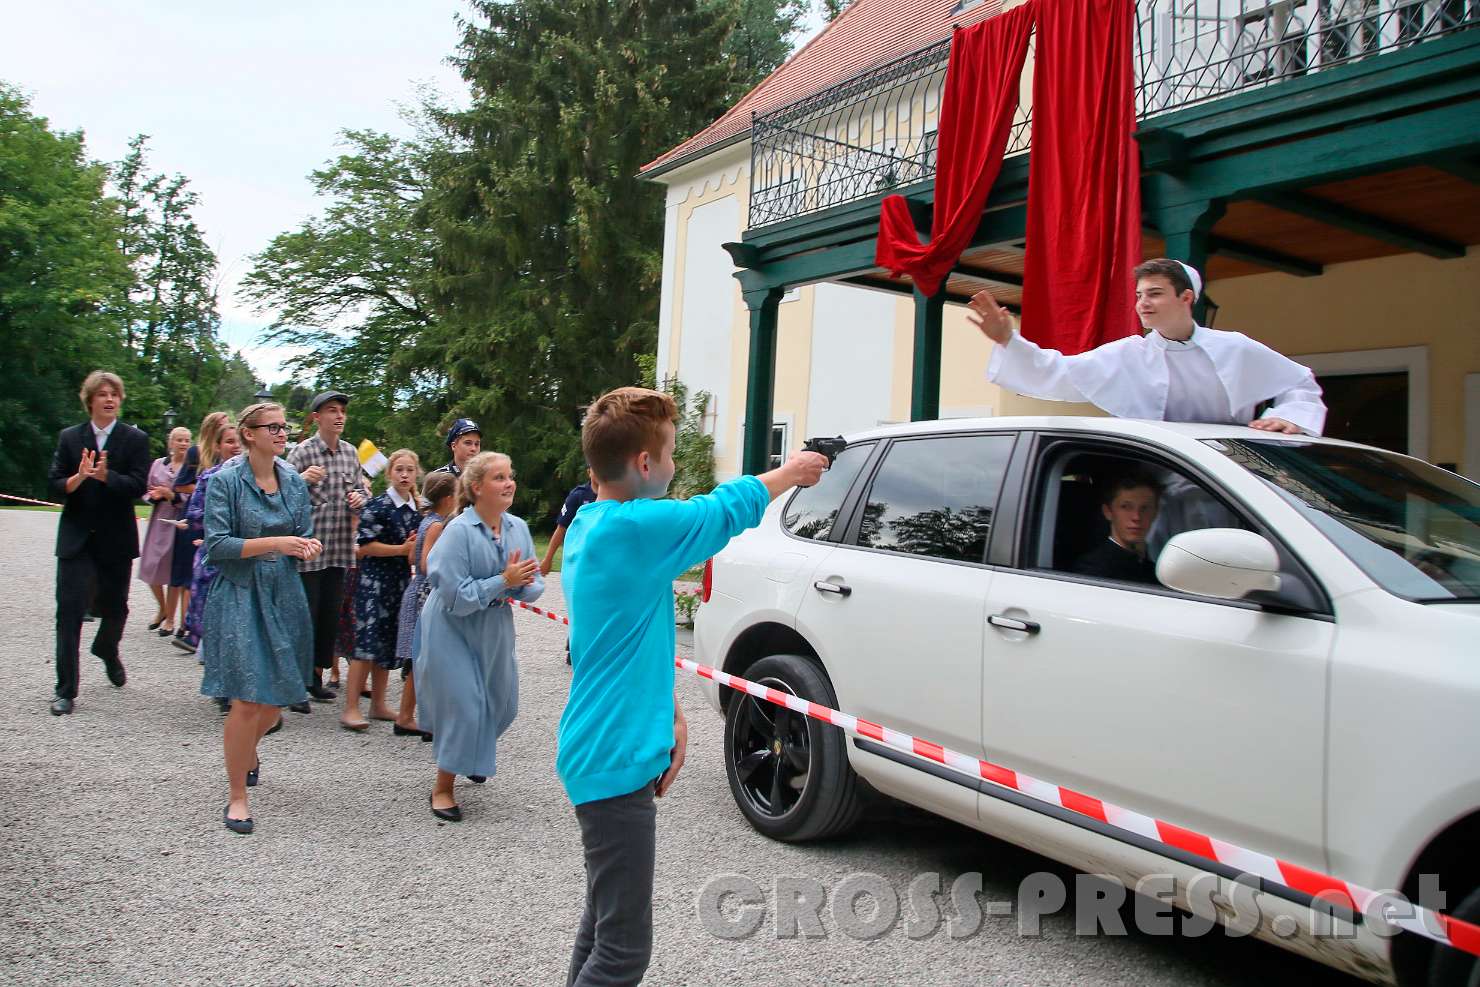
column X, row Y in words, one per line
column 372, row 460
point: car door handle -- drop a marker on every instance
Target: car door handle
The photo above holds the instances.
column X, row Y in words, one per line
column 1013, row 624
column 840, row 589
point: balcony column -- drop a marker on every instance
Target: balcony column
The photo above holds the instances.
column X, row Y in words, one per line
column 925, row 375
column 1188, row 228
column 760, row 379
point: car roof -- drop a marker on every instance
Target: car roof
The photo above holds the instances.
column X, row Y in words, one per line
column 1124, row 427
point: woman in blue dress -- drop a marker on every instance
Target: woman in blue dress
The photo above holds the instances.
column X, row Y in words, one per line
column 467, row 683
column 384, row 543
column 257, row 629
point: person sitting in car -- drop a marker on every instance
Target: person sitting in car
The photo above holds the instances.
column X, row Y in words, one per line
column 1130, row 505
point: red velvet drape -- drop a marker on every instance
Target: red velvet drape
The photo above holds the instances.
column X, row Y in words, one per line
column 1084, row 184
column 981, row 95
column 1084, row 209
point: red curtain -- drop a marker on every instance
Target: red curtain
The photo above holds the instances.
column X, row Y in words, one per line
column 981, row 95
column 1084, row 201
column 1084, row 184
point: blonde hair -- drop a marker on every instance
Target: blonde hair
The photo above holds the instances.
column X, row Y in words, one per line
column 178, row 429
column 472, row 475
column 95, row 382
column 208, row 446
column 249, row 417
column 415, row 462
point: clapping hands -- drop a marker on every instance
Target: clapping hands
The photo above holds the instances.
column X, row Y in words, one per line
column 520, row 571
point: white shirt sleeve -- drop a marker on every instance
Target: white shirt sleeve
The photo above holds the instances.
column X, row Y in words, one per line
column 1302, row 406
column 1023, row 366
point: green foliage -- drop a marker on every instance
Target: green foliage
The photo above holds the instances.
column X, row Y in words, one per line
column 350, row 288
column 685, row 605
column 693, row 447
column 60, row 276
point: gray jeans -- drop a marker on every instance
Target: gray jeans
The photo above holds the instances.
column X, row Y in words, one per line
column 615, row 940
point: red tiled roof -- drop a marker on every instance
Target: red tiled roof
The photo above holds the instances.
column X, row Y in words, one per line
column 868, row 33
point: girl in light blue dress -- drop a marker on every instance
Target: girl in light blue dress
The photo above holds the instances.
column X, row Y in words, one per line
column 467, row 683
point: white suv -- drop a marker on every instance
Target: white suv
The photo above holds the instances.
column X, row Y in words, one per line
column 1301, row 677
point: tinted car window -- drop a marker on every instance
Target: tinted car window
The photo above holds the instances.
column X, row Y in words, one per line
column 936, row 496
column 812, row 510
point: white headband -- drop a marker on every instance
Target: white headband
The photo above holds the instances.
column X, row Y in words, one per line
column 1196, row 280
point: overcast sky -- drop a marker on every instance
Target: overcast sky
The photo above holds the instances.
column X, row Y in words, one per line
column 243, row 99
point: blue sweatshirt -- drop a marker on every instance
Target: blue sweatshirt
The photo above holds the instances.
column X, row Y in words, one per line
column 621, row 558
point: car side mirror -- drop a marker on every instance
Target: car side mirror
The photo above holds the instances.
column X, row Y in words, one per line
column 1224, row 563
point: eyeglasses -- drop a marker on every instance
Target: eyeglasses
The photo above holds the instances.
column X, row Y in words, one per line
column 276, row 428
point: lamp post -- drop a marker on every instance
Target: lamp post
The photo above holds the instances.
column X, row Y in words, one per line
column 169, row 420
column 263, row 394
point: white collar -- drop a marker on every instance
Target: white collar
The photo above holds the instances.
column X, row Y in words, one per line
column 1162, row 343
column 102, row 431
column 396, row 498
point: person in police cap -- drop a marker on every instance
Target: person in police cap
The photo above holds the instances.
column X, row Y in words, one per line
column 336, row 491
column 464, row 441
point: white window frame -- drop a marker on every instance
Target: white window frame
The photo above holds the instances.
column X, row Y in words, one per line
column 1412, row 360
column 785, row 424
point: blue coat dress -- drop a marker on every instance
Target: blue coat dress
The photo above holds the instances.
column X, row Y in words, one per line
column 258, row 638
column 467, row 683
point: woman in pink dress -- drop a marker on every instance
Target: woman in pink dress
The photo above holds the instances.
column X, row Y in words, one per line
column 155, row 554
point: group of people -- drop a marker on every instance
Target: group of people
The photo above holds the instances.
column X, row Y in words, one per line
column 432, row 572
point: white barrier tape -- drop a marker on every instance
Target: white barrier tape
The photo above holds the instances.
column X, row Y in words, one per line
column 1440, row 928
column 28, row 500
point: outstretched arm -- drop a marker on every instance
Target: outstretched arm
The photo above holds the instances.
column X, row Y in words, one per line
column 1017, row 363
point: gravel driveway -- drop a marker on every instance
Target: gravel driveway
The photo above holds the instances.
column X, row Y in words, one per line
column 114, row 866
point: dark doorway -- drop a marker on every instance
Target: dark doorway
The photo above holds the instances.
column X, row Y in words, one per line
column 1369, row 408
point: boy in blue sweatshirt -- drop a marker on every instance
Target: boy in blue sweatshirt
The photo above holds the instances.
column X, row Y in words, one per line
column 623, row 736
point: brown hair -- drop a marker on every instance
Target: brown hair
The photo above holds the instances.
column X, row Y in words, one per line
column 622, row 423
column 1164, row 267
column 439, row 484
column 208, row 445
column 95, row 382
column 473, row 474
column 1134, row 479
column 251, row 413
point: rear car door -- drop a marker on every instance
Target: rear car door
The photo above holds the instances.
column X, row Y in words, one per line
column 897, row 608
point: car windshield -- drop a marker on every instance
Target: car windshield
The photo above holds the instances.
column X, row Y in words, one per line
column 1412, row 527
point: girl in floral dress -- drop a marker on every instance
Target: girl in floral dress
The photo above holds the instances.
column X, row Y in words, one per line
column 386, row 539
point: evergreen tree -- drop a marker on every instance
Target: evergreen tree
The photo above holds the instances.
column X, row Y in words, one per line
column 550, row 253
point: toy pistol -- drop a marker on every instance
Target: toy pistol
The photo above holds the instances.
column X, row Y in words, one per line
column 828, row 447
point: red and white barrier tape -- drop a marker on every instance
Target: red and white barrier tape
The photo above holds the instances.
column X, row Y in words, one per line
column 28, row 500
column 1430, row 924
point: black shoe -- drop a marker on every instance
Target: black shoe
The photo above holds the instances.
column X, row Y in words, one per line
column 401, row 731
column 165, row 631
column 155, row 626
column 366, row 694
column 319, row 694
column 302, row 707
column 183, row 645
column 255, row 775
column 242, row 826
column 88, row 618
column 62, row 706
column 274, row 728
column 116, row 674
column 477, row 779
column 224, row 705
column 453, row 814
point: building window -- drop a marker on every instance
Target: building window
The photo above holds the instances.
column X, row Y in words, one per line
column 780, row 433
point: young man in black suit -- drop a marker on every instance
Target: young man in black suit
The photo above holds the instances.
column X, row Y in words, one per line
column 100, row 470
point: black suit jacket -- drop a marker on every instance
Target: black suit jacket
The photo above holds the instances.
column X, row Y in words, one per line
column 100, row 512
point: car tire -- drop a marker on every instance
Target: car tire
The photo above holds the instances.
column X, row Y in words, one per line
column 788, row 773
column 1449, row 967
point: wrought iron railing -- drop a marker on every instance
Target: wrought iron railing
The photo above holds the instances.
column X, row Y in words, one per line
column 876, row 131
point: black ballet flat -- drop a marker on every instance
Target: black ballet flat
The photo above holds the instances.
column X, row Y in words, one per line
column 401, row 731
column 255, row 774
column 274, row 728
column 476, row 779
column 155, row 626
column 453, row 814
column 240, row 826
column 164, row 631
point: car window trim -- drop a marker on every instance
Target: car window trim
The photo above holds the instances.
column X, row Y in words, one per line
column 845, row 507
column 1045, row 440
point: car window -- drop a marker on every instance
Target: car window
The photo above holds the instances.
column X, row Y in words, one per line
column 1108, row 515
column 812, row 510
column 936, row 496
